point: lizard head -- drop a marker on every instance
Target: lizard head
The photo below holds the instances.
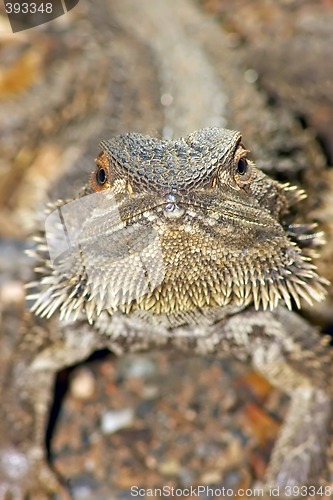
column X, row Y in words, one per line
column 179, row 227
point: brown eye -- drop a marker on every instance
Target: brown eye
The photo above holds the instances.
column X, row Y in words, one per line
column 101, row 176
column 244, row 172
column 242, row 166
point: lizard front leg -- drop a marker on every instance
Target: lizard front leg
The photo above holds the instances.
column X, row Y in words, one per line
column 301, row 365
column 42, row 348
column 295, row 358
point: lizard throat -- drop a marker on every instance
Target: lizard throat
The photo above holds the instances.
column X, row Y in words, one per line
column 174, row 277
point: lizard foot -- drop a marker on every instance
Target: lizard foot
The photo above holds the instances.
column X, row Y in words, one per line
column 26, row 476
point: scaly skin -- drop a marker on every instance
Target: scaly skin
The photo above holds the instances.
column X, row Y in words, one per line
column 184, row 244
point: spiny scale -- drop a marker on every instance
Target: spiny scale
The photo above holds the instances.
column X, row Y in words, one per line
column 245, row 253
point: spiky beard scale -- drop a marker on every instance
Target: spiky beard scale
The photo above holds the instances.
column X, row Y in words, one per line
column 78, row 284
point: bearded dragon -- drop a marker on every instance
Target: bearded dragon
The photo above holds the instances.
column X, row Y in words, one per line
column 183, row 244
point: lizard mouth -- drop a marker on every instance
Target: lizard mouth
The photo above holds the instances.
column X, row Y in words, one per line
column 189, row 212
column 181, row 207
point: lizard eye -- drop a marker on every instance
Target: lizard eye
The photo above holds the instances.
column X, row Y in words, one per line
column 243, row 170
column 242, row 166
column 101, row 176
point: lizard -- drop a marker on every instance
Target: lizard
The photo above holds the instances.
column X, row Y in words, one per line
column 181, row 244
column 274, row 139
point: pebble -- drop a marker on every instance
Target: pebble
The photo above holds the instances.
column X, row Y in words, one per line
column 150, row 391
column 113, row 420
column 169, row 468
column 211, row 477
column 139, row 366
column 83, row 384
